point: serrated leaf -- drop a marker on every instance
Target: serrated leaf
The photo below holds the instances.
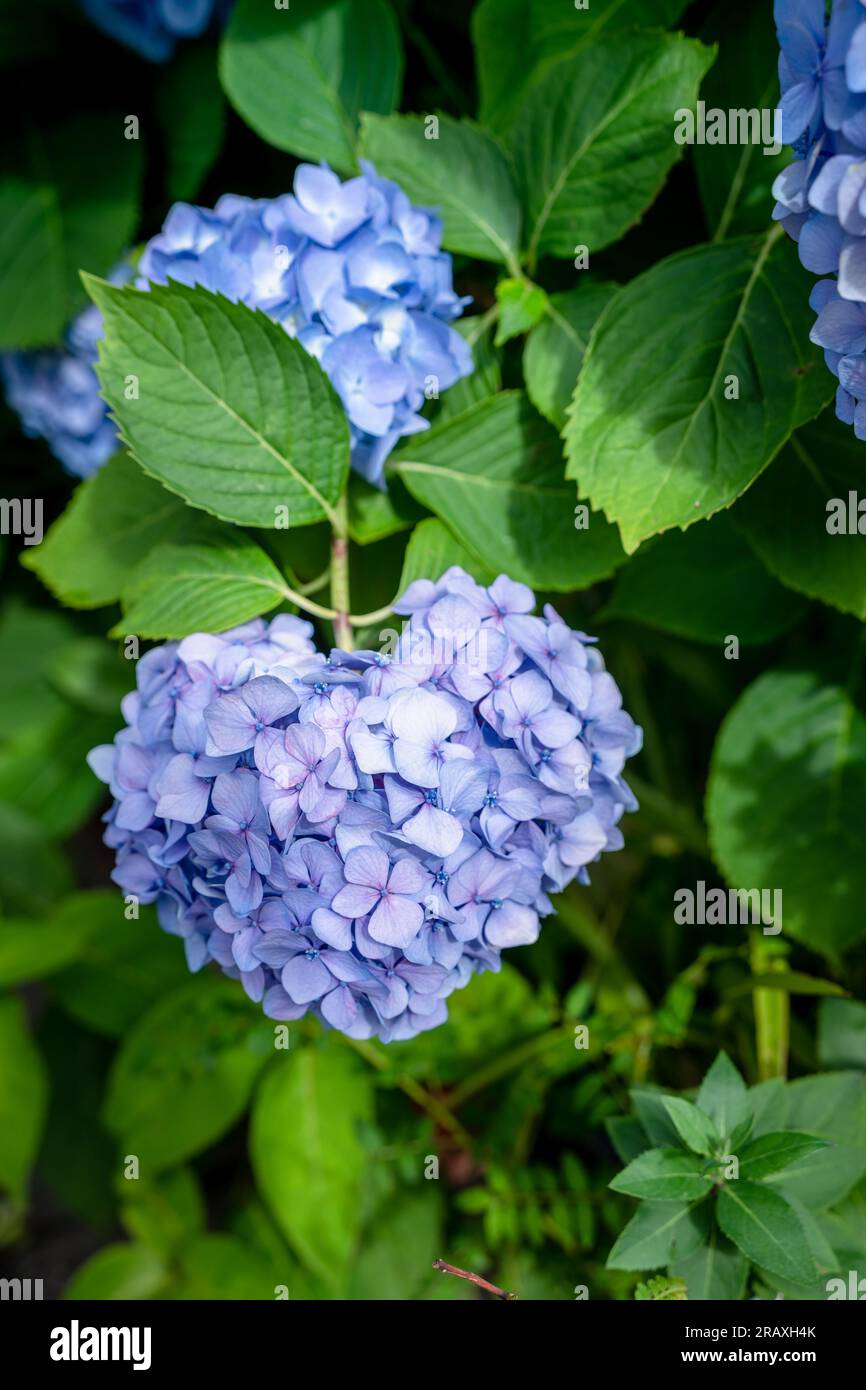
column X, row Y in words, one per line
column 494, row 477
column 203, row 424
column 664, row 1175
column 766, row 1228
column 651, row 437
column 593, row 141
column 516, row 40
column 788, row 774
column 722, row 1095
column 554, row 350
column 301, row 75
column 181, row 589
column 306, row 1153
column 463, row 172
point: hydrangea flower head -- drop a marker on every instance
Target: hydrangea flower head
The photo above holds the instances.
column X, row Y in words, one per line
column 152, row 27
column 351, row 269
column 355, row 835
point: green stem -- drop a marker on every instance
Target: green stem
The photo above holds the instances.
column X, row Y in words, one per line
column 772, row 1010
column 340, row 576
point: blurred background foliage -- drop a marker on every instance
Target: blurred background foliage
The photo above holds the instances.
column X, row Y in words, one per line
column 334, row 1169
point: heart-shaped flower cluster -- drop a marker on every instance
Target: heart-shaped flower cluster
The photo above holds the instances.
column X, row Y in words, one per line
column 356, row 835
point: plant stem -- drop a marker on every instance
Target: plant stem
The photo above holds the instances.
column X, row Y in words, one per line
column 340, row 576
column 772, row 1010
column 475, row 1279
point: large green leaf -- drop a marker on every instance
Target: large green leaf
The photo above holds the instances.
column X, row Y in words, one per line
column 716, row 1270
column 494, row 476
column 729, row 591
column 554, row 349
column 69, row 202
column 22, row 1097
column 593, row 142
column 766, row 1228
column 300, row 75
column 181, row 589
column 785, row 515
column 773, row 1153
column 832, row 1106
column 307, row 1155
column 787, row 785
column 112, row 522
column 652, row 438
column 184, row 1072
column 464, row 173
column 515, row 40
column 231, row 413
column 735, row 178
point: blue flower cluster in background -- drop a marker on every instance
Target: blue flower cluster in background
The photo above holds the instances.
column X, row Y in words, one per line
column 820, row 196
column 352, row 270
column 152, row 27
column 356, row 836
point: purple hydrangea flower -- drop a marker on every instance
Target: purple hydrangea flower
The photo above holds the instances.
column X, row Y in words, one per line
column 352, row 270
column 355, row 847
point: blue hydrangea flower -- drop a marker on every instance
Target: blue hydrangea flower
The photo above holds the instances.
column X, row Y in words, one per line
column 354, row 836
column 352, row 270
column 821, row 197
column 152, row 27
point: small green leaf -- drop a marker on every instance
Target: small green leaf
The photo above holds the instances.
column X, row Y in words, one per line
column 554, row 350
column 664, row 1175
column 695, row 1128
column 773, row 1152
column 658, row 1233
column 716, row 1271
column 722, row 1095
column 125, row 1271
column 521, row 306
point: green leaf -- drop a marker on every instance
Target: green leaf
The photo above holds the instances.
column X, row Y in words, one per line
column 521, row 306
column 493, row 475
column 77, row 1063
column 651, row 437
column 400, row 1247
column 125, row 1271
column 192, row 113
column 181, row 589
column 34, row 873
column 735, row 179
column 165, row 1214
column 432, row 550
column 658, row 1233
column 203, row 424
column 218, row 1266
column 374, row 515
column 301, row 76
column 695, row 1129
column 184, row 1072
column 766, row 1228
column 516, row 40
column 841, row 1033
column 716, row 1271
column 593, row 141
column 112, row 522
column 69, row 203
column 722, row 1095
column 788, row 775
column 773, row 1152
column 832, row 1106
column 767, row 1105
column 484, row 381
column 664, row 1175
column 123, row 967
column 306, row 1153
column 729, row 590
column 627, row 1136
column 554, row 350
column 651, row 1109
column 22, row 1097
column 30, row 949
column 464, row 172
column 786, row 513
